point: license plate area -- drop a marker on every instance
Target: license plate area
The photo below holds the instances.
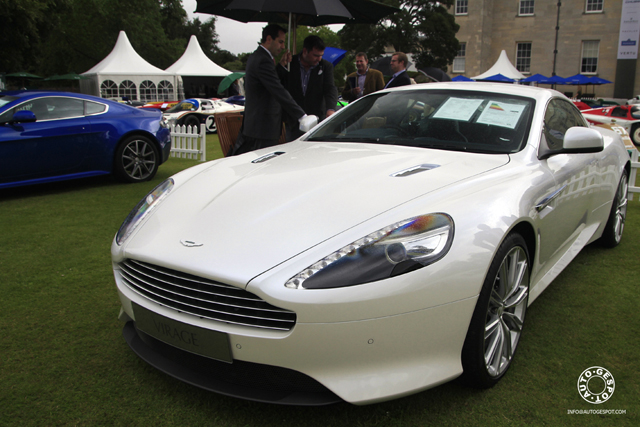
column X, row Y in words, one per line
column 194, row 339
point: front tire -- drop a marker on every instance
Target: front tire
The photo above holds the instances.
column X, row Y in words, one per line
column 498, row 319
column 136, row 160
column 635, row 134
column 612, row 234
column 193, row 122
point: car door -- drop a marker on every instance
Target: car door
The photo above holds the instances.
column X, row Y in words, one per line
column 566, row 210
column 55, row 144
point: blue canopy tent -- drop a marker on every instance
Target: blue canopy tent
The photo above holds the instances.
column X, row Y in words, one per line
column 578, row 79
column 536, row 78
column 462, row 79
column 595, row 80
column 334, row 55
column 553, row 80
column 497, row 78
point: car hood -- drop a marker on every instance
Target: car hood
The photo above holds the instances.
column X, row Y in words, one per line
column 245, row 217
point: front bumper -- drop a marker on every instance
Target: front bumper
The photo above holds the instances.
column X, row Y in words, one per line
column 360, row 362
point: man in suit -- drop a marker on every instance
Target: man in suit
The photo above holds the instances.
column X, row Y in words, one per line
column 310, row 82
column 364, row 81
column 265, row 97
column 398, row 64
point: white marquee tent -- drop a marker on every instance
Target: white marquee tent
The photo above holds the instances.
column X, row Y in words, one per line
column 198, row 76
column 502, row 66
column 194, row 62
column 125, row 73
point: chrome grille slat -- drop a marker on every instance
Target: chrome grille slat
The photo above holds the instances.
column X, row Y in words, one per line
column 203, row 297
column 194, row 313
column 197, row 311
column 170, row 284
column 164, row 272
column 204, row 304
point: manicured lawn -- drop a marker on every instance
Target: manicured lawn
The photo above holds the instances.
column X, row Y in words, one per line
column 63, row 360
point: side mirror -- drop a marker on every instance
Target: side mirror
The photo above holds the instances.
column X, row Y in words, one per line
column 23, row 116
column 582, row 140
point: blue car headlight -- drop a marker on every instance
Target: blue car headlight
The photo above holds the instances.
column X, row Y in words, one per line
column 394, row 250
column 143, row 209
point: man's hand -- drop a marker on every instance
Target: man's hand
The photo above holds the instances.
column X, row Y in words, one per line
column 285, row 58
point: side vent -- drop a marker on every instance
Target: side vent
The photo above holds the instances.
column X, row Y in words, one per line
column 414, row 170
column 268, row 157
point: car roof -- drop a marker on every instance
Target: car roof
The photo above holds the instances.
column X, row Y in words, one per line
column 29, row 94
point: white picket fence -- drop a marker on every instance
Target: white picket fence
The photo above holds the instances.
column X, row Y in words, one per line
column 187, row 143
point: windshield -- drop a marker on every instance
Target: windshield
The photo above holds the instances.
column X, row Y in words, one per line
column 443, row 119
column 186, row 105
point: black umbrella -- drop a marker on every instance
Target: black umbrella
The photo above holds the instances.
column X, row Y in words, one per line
column 311, row 13
column 435, row 74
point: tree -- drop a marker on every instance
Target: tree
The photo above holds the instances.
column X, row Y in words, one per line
column 422, row 27
column 25, row 26
column 48, row 37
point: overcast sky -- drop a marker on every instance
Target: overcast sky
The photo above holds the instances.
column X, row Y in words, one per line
column 234, row 36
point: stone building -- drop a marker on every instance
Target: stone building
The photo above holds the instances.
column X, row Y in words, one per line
column 561, row 38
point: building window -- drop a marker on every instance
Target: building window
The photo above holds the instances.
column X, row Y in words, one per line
column 526, row 7
column 594, row 6
column 589, row 57
column 165, row 91
column 459, row 60
column 148, row 91
column 108, row 89
column 462, row 7
column 523, row 57
column 128, row 89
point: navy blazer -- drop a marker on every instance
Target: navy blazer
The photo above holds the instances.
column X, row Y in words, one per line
column 265, row 98
column 321, row 95
column 402, row 80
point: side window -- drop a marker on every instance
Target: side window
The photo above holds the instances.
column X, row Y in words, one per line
column 619, row 112
column 62, row 108
column 93, row 108
column 39, row 107
column 559, row 117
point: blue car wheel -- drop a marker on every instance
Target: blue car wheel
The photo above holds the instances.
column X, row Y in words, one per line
column 136, row 160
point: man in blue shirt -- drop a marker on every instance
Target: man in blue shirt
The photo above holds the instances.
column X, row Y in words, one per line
column 310, row 83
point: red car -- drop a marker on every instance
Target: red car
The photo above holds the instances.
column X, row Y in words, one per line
column 627, row 116
column 160, row 105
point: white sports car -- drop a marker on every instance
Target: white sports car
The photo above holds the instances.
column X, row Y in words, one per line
column 194, row 111
column 394, row 247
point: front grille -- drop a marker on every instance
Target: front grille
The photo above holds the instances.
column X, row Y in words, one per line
column 203, row 297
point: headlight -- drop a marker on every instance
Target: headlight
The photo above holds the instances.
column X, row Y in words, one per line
column 143, row 209
column 164, row 122
column 170, row 121
column 397, row 249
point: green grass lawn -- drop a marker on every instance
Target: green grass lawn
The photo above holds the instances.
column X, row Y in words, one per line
column 63, row 360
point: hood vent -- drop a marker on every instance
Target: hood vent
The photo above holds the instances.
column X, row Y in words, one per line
column 268, row 157
column 414, row 170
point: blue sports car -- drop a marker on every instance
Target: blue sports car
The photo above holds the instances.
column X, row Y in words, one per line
column 50, row 136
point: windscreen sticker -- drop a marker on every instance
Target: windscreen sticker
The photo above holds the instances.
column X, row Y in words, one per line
column 503, row 114
column 461, row 109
